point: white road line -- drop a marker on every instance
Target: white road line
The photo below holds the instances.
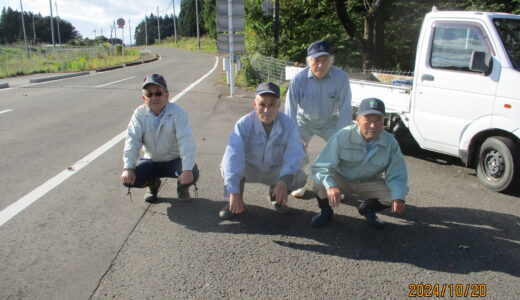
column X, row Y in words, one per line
column 5, row 111
column 22, row 203
column 114, row 82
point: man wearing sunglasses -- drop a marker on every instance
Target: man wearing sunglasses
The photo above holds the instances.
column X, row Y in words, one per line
column 163, row 130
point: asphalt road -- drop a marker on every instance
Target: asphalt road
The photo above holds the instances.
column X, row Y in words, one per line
column 86, row 238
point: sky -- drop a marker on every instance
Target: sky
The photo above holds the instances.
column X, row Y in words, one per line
column 88, row 16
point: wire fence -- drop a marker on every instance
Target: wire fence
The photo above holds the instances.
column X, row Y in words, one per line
column 19, row 60
column 272, row 69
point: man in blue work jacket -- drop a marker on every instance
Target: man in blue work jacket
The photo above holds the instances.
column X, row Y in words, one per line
column 264, row 147
column 319, row 98
column 365, row 160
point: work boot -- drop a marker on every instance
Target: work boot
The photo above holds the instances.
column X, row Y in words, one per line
column 325, row 215
column 368, row 209
column 225, row 213
column 282, row 209
column 153, row 188
column 183, row 192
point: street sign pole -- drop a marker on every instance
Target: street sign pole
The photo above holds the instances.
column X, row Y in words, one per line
column 231, row 52
column 121, row 24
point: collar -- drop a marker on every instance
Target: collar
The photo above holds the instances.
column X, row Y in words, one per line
column 310, row 75
column 167, row 110
column 357, row 138
column 258, row 128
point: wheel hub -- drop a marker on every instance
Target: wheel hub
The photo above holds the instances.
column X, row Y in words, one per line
column 494, row 164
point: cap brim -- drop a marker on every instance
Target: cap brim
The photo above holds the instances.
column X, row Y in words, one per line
column 319, row 54
column 371, row 112
column 267, row 92
column 157, row 84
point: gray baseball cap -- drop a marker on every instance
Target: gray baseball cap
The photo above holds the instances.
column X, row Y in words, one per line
column 156, row 79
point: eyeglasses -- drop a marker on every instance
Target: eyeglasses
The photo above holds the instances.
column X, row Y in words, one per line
column 158, row 94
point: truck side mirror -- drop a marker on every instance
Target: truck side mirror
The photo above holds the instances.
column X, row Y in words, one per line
column 478, row 63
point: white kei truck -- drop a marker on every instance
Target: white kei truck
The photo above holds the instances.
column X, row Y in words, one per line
column 464, row 98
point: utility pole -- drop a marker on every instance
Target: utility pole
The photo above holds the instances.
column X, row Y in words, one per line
column 115, row 32
column 197, row 18
column 130, row 32
column 34, row 31
column 145, row 30
column 158, row 26
column 52, row 26
column 276, row 26
column 58, row 22
column 24, row 35
column 174, row 21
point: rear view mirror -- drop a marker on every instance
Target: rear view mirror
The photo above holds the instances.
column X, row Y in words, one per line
column 478, row 63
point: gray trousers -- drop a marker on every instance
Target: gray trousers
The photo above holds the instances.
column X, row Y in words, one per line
column 373, row 189
column 270, row 178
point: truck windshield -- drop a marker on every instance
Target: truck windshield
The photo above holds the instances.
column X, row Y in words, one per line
column 509, row 30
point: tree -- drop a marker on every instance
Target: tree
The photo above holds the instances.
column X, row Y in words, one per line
column 11, row 30
column 187, row 18
column 209, row 18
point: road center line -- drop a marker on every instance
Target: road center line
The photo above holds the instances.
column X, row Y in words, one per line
column 22, row 203
column 114, row 82
column 5, row 111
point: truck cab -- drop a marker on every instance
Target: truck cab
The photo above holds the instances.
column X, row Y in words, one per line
column 465, row 99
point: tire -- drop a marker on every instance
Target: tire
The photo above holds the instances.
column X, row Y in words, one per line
column 499, row 164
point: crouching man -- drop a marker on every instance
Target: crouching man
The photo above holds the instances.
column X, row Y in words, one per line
column 264, row 147
column 163, row 130
column 365, row 160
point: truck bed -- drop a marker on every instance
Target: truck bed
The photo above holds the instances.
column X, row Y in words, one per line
column 395, row 97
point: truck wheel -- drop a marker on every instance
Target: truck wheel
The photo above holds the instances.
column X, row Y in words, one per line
column 499, row 164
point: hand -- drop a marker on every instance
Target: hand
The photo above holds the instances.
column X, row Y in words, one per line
column 280, row 192
column 128, row 176
column 236, row 203
column 186, row 177
column 334, row 195
column 305, row 144
column 398, row 206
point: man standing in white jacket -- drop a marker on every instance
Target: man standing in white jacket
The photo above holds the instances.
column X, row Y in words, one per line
column 163, row 130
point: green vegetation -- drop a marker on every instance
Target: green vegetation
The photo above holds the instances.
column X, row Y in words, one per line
column 14, row 61
column 207, row 44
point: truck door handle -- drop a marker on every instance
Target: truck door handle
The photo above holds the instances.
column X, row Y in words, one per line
column 427, row 77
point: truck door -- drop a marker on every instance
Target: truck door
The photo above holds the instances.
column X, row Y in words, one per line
column 449, row 96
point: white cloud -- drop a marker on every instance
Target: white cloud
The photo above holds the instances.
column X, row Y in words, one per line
column 89, row 15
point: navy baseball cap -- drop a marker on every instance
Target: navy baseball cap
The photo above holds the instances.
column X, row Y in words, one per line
column 319, row 48
column 268, row 88
column 371, row 106
column 154, row 79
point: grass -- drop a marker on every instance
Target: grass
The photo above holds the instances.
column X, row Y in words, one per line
column 207, row 44
column 14, row 61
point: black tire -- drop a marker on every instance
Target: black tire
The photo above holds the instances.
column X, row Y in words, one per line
column 499, row 164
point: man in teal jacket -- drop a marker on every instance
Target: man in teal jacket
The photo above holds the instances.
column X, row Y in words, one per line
column 365, row 160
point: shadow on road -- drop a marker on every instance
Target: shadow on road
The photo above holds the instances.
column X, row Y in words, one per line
column 447, row 239
column 409, row 147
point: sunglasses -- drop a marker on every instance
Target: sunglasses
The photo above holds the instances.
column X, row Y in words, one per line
column 158, row 94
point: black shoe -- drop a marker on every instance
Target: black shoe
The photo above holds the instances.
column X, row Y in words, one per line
column 322, row 218
column 183, row 193
column 153, row 189
column 373, row 220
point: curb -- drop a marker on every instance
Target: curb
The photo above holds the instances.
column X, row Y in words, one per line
column 127, row 64
column 4, row 85
column 42, row 79
column 108, row 68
